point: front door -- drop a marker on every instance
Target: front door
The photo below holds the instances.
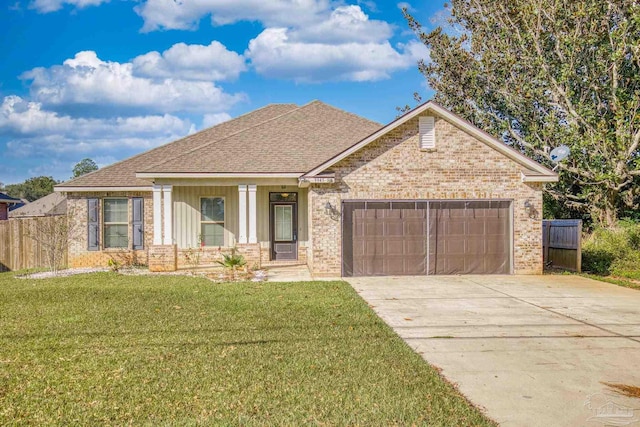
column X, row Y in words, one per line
column 284, row 227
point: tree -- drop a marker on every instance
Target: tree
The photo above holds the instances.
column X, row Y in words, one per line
column 32, row 189
column 541, row 73
column 54, row 234
column 84, row 166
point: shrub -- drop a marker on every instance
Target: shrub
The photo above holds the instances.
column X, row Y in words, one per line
column 613, row 250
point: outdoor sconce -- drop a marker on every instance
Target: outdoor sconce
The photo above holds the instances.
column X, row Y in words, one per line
column 331, row 210
column 529, row 209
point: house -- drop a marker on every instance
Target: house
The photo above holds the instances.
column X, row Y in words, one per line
column 6, row 202
column 428, row 193
column 50, row 205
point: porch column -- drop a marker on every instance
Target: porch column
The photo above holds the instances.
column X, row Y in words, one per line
column 157, row 214
column 253, row 222
column 242, row 212
column 168, row 215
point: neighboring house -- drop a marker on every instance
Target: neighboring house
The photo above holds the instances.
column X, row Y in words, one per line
column 428, row 193
column 6, row 202
column 50, row 205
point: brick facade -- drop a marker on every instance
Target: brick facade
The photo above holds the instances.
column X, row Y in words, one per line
column 80, row 256
column 394, row 167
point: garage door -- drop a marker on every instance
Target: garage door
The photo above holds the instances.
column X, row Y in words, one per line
column 383, row 238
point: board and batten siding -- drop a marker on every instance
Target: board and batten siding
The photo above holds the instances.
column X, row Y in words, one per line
column 186, row 214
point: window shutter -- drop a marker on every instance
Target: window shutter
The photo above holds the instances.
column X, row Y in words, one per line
column 427, row 132
column 138, row 222
column 93, row 225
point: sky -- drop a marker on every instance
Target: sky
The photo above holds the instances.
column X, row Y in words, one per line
column 107, row 79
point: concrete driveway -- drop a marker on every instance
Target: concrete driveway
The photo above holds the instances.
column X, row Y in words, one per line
column 530, row 350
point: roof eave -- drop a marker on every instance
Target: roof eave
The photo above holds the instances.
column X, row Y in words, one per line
column 196, row 175
column 98, row 189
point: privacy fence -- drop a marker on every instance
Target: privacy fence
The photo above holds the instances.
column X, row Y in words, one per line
column 562, row 243
column 19, row 249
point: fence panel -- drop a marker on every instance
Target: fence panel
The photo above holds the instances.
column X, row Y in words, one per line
column 18, row 250
column 562, row 244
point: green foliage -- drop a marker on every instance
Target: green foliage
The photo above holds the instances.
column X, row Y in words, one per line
column 84, row 166
column 541, row 73
column 32, row 189
column 614, row 251
column 112, row 349
column 232, row 260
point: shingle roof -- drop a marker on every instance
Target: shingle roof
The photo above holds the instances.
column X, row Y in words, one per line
column 279, row 138
column 123, row 173
column 53, row 204
column 8, row 199
column 291, row 143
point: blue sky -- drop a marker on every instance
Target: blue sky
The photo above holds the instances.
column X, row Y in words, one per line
column 107, row 79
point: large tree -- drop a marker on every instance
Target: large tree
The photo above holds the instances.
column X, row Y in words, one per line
column 541, row 73
column 32, row 189
column 84, row 166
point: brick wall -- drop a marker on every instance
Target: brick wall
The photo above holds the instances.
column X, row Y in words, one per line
column 394, row 167
column 80, row 256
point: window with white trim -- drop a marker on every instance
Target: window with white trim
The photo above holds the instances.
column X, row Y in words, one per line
column 212, row 221
column 427, row 127
column 116, row 223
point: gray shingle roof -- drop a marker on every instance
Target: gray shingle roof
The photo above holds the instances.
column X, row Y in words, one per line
column 279, row 138
column 291, row 143
column 123, row 173
column 53, row 204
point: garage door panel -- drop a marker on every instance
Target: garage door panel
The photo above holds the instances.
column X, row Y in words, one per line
column 393, row 238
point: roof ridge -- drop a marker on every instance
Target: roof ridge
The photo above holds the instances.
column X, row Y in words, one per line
column 344, row 111
column 167, row 144
column 232, row 135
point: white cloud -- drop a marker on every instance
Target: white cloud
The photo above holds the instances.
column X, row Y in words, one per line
column 185, row 15
column 209, row 120
column 46, row 6
column 35, row 130
column 406, row 5
column 345, row 24
column 275, row 55
column 87, row 80
column 191, row 62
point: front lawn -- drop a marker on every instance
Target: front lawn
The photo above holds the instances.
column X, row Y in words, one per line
column 113, row 349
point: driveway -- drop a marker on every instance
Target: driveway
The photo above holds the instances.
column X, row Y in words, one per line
column 530, row 350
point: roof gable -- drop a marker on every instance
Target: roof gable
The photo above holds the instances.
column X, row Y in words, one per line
column 533, row 172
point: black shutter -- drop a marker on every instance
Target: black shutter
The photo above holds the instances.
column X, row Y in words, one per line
column 138, row 223
column 93, row 225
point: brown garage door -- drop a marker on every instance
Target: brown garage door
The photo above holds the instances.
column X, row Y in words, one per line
column 393, row 238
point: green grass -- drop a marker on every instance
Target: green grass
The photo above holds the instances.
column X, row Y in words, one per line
column 156, row 350
column 620, row 281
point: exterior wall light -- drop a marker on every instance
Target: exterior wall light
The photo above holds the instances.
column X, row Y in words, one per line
column 331, row 211
column 530, row 210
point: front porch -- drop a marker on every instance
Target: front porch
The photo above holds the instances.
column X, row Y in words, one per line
column 196, row 221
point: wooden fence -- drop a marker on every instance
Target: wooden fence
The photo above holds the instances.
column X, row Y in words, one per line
column 562, row 244
column 17, row 249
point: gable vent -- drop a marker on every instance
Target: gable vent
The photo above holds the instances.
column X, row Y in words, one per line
column 427, row 132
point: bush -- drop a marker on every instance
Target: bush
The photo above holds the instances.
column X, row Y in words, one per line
column 614, row 251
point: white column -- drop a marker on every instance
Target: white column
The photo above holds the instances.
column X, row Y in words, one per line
column 242, row 212
column 157, row 214
column 168, row 215
column 253, row 221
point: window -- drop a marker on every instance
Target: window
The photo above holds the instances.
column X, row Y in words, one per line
column 427, row 132
column 212, row 221
column 116, row 224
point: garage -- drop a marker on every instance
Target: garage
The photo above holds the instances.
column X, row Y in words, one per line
column 426, row 237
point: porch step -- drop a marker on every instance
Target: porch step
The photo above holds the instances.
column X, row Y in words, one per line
column 271, row 264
